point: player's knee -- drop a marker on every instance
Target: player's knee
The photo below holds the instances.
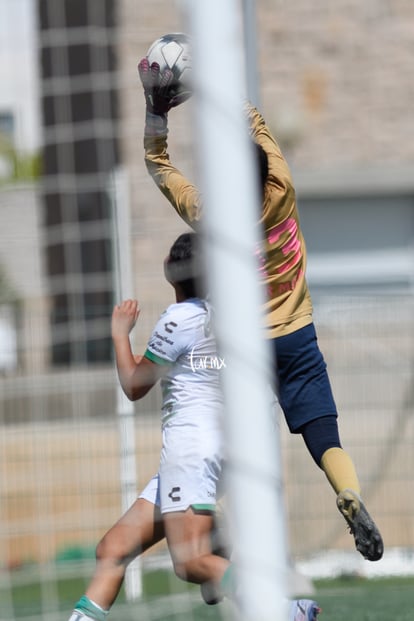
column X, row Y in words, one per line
column 109, row 550
column 181, row 569
column 103, row 550
column 189, row 569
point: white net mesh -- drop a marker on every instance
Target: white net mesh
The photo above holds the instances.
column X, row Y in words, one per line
column 60, row 483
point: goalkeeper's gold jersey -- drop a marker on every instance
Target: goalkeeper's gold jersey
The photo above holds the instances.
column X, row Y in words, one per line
column 283, row 263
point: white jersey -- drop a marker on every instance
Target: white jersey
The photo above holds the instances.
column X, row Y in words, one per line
column 192, row 448
column 183, row 339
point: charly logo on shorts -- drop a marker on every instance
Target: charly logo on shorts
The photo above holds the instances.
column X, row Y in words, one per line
column 201, row 363
column 173, row 494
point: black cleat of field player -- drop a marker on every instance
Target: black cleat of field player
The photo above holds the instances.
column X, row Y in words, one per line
column 368, row 540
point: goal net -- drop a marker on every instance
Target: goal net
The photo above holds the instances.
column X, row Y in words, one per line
column 87, row 226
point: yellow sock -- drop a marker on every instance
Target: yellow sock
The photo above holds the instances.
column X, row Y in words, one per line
column 340, row 470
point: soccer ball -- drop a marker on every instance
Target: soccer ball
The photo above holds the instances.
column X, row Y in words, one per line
column 172, row 51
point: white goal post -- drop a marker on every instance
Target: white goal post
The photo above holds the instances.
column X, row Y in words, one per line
column 121, row 219
column 231, row 204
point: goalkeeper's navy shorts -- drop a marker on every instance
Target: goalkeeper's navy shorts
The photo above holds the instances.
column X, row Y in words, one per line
column 303, row 385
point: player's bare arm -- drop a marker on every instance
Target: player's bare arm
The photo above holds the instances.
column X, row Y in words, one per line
column 137, row 374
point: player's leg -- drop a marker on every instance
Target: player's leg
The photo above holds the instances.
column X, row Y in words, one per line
column 189, row 541
column 191, row 470
column 220, row 537
column 188, row 537
column 137, row 530
column 322, row 439
column 308, row 403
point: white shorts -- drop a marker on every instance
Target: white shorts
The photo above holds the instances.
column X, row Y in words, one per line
column 189, row 474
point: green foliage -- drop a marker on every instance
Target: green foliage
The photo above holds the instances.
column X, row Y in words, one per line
column 19, row 166
column 75, row 553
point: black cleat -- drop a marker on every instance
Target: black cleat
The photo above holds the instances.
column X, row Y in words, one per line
column 368, row 540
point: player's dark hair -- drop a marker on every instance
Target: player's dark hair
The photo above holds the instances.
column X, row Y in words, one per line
column 262, row 165
column 183, row 266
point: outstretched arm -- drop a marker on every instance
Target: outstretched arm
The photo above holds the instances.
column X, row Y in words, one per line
column 182, row 194
column 279, row 174
column 137, row 374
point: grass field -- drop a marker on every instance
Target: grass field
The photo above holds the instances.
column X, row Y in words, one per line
column 166, row 598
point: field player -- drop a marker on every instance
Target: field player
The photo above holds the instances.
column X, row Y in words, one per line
column 179, row 502
column 301, row 378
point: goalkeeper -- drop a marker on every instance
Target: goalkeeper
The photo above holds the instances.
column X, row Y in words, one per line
column 301, row 379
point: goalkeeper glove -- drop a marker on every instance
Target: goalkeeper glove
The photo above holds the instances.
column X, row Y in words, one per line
column 159, row 95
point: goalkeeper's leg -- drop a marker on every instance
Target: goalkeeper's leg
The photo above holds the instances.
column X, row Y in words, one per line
column 322, row 439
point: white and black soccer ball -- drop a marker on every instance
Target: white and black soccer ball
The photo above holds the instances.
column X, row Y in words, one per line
column 172, row 51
